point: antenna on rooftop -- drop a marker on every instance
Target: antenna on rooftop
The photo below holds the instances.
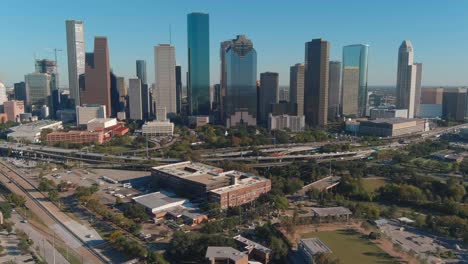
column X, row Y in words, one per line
column 170, row 35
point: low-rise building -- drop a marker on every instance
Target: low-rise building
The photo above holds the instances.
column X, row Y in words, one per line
column 199, row 121
column 75, row 137
column 377, row 113
column 86, row 113
column 157, row 128
column 31, row 132
column 294, row 123
column 255, row 250
column 100, row 124
column 310, row 247
column 392, row 127
column 13, row 109
column 221, row 255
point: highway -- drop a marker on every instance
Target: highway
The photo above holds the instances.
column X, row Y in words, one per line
column 50, row 214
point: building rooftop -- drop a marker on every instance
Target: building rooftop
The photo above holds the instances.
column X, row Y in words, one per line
column 331, row 211
column 35, row 126
column 314, row 245
column 157, row 199
column 225, row 253
column 396, row 120
column 250, row 245
column 192, row 213
column 101, row 120
column 244, row 180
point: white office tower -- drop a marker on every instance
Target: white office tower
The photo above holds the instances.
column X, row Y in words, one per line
column 164, row 60
column 407, row 79
column 76, row 57
column 161, row 114
column 134, row 94
column 3, row 95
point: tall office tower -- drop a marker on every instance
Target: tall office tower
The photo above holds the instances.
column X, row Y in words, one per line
column 178, row 76
column 76, row 57
column 223, row 78
column 145, row 93
column 38, row 87
column 432, row 95
column 97, row 84
column 334, row 90
column 198, row 82
column 354, row 84
column 21, row 94
column 3, row 94
column 417, row 95
column 240, row 107
column 49, row 67
column 296, row 87
column 406, row 79
column 269, row 94
column 316, row 72
column 454, row 104
column 115, row 95
column 122, row 88
column 215, row 105
column 134, row 94
column 164, row 61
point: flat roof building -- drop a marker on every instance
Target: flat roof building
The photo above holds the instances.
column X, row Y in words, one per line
column 158, row 128
column 392, row 127
column 75, row 137
column 255, row 250
column 86, row 113
column 99, row 124
column 310, row 247
column 221, row 255
column 31, row 132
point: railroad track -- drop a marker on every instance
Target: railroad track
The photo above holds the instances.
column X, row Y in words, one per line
column 3, row 166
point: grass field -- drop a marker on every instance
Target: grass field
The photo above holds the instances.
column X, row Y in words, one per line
column 351, row 247
column 372, row 184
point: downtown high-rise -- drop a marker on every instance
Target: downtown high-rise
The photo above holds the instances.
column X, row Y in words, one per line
column 240, row 101
column 198, row 79
column 178, row 76
column 76, row 57
column 97, row 79
column 269, row 95
column 165, row 79
column 334, row 90
column 316, row 74
column 296, row 87
column 354, row 80
column 145, row 91
column 134, row 98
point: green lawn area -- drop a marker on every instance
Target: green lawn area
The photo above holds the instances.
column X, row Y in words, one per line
column 351, row 247
column 372, row 184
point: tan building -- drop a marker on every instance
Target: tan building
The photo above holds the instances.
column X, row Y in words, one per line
column 13, row 109
column 432, row 95
column 75, row 137
column 392, row 127
column 225, row 255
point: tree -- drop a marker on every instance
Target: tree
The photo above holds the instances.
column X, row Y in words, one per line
column 279, row 247
column 5, row 208
column 156, row 258
column 322, row 258
column 53, row 195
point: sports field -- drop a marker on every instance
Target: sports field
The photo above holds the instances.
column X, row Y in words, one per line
column 351, row 247
column 372, row 184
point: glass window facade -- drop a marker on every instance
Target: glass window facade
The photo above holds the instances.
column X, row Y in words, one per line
column 198, row 83
column 354, row 80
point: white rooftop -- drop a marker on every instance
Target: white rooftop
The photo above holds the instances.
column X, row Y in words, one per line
column 314, row 245
column 225, row 253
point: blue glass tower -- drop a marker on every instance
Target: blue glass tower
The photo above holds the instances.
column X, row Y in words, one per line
column 198, row 81
column 354, row 80
column 240, row 106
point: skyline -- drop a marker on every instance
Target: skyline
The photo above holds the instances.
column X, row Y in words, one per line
column 279, row 42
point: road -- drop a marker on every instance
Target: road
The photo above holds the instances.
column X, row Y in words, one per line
column 49, row 214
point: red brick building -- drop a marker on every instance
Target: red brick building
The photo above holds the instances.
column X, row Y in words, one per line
column 75, row 137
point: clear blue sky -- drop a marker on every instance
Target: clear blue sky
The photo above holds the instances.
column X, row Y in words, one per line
column 278, row 29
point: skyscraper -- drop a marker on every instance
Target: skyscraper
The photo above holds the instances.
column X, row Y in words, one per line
column 417, row 95
column 141, row 70
column 240, row 106
column 145, row 93
column 406, row 79
column 49, row 67
column 334, row 90
column 296, row 87
column 76, row 57
column 38, row 87
column 198, row 81
column 20, row 91
column 97, row 82
column 454, row 104
column 178, row 76
column 316, row 73
column 165, row 79
column 354, row 84
column 134, row 94
column 223, row 78
column 269, row 94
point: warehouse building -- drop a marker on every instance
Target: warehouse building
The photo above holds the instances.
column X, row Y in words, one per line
column 31, row 132
column 392, row 127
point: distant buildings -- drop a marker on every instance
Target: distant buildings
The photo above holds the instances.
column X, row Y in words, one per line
column 198, row 79
column 354, row 83
column 123, row 92
column 31, row 132
column 49, row 67
column 392, row 127
column 240, row 104
column 296, row 87
column 431, row 102
column 316, row 76
column 38, row 87
column 97, row 82
column 165, row 78
column 75, row 137
column 310, row 247
column 13, row 109
column 178, row 76
column 281, row 122
column 134, row 98
column 76, row 57
column 269, row 94
column 454, row 104
column 146, row 101
column 334, row 90
column 157, row 128
column 408, row 80
column 388, row 113
column 20, row 92
column 85, row 113
column 217, row 255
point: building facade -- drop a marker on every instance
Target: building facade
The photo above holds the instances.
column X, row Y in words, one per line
column 296, row 87
column 281, row 122
column 75, row 137
column 20, row 92
column 134, row 98
column 392, row 127
column 432, row 95
column 406, row 79
column 316, row 75
column 164, row 60
column 38, row 87
column 334, row 90
column 417, row 95
column 269, row 94
column 13, row 109
column 178, row 76
column 86, row 113
column 157, row 128
column 198, row 79
column 146, row 101
column 354, row 84
column 454, row 104
column 97, row 79
column 76, row 57
column 240, row 104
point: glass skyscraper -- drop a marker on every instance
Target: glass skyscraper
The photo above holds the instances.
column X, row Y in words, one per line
column 241, row 83
column 198, row 81
column 354, row 80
